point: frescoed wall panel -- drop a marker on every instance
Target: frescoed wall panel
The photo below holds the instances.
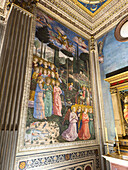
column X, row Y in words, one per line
column 60, row 107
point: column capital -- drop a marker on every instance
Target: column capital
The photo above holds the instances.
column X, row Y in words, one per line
column 92, row 44
column 113, row 90
column 28, row 5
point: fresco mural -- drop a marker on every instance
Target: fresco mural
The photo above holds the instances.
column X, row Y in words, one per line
column 60, row 107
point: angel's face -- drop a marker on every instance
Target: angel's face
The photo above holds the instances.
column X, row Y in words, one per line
column 73, row 109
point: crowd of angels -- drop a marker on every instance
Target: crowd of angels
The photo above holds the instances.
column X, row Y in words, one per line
column 46, row 94
column 81, row 124
column 45, row 82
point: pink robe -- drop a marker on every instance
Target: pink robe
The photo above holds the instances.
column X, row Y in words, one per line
column 84, row 92
column 70, row 134
column 57, row 107
column 84, row 133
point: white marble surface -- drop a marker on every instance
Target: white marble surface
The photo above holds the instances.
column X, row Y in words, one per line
column 116, row 159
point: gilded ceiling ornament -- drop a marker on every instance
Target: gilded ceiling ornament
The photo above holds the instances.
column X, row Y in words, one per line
column 92, row 43
column 114, row 90
column 28, row 5
column 92, row 7
column 91, row 1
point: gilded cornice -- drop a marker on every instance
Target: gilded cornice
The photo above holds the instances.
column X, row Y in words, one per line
column 69, row 9
column 89, row 12
column 118, row 82
column 78, row 10
column 117, row 77
column 97, row 25
column 65, row 19
column 80, row 21
column 108, row 22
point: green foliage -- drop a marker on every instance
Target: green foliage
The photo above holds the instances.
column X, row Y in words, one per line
column 30, row 118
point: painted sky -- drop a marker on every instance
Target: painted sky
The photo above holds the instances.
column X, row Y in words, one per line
column 115, row 53
column 115, row 57
column 58, row 32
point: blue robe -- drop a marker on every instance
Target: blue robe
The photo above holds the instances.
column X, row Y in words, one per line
column 38, row 110
column 79, row 123
column 44, row 77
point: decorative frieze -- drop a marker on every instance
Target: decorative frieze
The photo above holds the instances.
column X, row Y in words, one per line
column 61, row 159
column 74, row 14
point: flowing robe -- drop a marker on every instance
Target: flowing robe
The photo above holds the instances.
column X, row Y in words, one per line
column 91, row 125
column 70, row 134
column 44, row 77
column 57, row 107
column 79, row 123
column 48, row 100
column 84, row 131
column 38, row 103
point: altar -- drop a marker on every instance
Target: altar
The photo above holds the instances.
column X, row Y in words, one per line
column 117, row 162
column 119, row 93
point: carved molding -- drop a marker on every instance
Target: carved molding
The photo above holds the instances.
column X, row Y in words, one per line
column 117, row 77
column 92, row 2
column 92, row 44
column 106, row 19
column 113, row 91
column 59, row 159
column 65, row 19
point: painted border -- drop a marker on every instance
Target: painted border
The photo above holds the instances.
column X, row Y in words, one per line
column 24, row 107
column 65, row 157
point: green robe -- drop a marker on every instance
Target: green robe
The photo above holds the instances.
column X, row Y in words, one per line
column 91, row 125
column 48, row 100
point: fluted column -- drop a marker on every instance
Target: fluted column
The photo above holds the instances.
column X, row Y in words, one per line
column 2, row 30
column 96, row 84
column 14, row 56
